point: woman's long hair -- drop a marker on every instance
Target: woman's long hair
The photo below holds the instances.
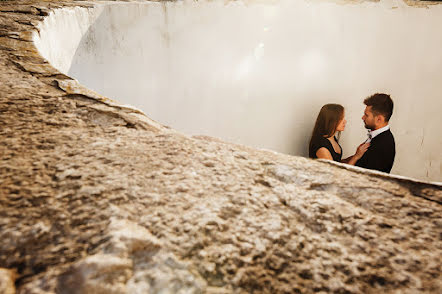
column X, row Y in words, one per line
column 327, row 122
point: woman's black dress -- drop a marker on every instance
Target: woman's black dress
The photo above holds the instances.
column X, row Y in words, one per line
column 320, row 142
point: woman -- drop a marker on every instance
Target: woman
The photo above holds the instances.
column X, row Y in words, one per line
column 323, row 143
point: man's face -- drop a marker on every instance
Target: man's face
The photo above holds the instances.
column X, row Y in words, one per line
column 369, row 118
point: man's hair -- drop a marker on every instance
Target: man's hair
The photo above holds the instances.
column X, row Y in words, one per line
column 380, row 104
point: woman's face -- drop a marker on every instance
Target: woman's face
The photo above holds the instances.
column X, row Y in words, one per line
column 341, row 124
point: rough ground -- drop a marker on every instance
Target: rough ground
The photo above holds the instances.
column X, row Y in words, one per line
column 95, row 198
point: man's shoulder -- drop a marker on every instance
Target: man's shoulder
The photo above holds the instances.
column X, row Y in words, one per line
column 384, row 143
column 384, row 136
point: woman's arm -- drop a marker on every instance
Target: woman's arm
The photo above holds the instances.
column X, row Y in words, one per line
column 324, row 153
column 359, row 152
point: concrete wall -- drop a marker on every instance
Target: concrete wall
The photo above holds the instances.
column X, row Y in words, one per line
column 257, row 72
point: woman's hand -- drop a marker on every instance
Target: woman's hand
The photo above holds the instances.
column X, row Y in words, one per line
column 361, row 150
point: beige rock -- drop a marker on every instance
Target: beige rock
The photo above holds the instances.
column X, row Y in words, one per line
column 7, row 279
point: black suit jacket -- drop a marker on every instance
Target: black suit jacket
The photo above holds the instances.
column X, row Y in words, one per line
column 380, row 154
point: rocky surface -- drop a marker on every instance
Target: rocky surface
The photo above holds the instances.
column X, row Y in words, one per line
column 7, row 279
column 97, row 198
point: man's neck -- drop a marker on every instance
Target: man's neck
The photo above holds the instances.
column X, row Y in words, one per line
column 380, row 127
column 378, row 131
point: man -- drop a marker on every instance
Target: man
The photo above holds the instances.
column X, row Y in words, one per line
column 380, row 155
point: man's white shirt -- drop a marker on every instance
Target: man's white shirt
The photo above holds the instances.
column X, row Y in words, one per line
column 374, row 133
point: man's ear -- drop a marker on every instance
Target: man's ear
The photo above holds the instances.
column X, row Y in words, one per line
column 379, row 119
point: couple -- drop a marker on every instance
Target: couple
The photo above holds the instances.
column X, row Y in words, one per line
column 377, row 152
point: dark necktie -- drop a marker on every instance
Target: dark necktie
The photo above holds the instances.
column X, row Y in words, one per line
column 369, row 138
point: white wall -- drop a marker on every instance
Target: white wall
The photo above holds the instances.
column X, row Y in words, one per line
column 257, row 72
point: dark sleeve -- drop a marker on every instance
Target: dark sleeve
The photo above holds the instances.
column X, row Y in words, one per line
column 379, row 156
column 317, row 144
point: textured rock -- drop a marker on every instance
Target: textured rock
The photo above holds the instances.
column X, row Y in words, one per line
column 97, row 198
column 7, row 279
